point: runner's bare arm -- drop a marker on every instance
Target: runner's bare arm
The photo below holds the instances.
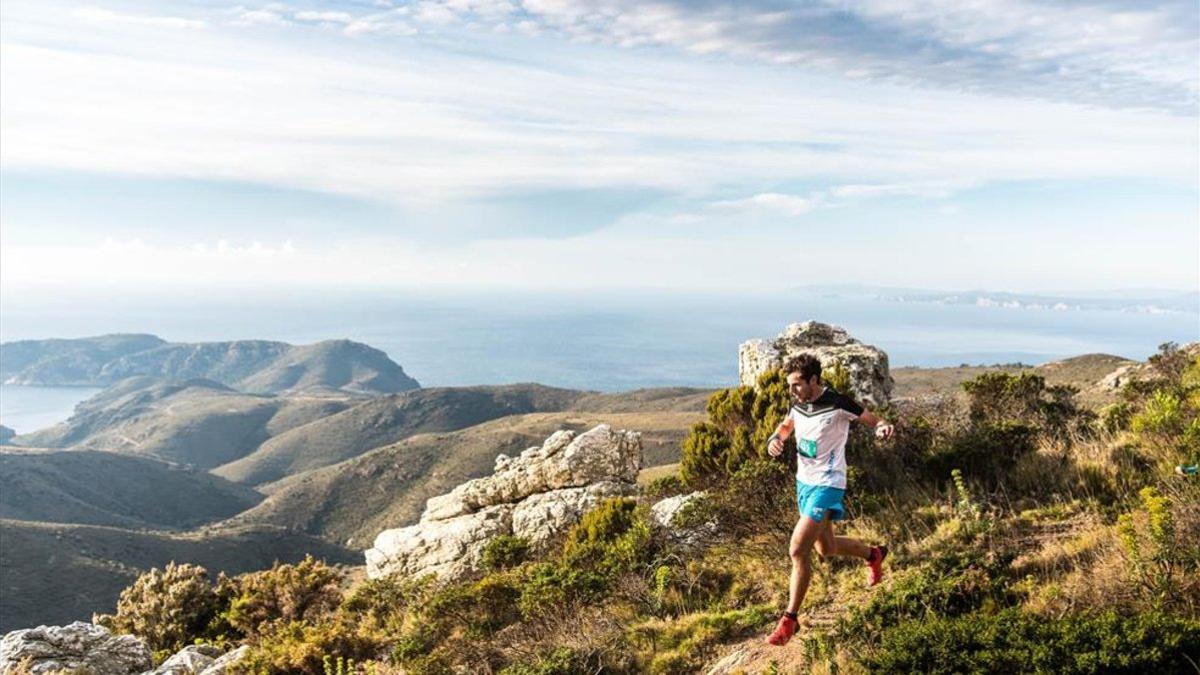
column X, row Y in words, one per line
column 883, row 428
column 782, row 432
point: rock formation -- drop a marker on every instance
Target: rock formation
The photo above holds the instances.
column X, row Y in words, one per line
column 537, row 496
column 88, row 648
column 76, row 648
column 867, row 366
column 666, row 514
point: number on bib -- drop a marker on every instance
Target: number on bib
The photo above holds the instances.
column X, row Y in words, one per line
column 807, row 447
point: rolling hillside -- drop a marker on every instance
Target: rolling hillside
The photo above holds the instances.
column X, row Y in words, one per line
column 196, row 422
column 385, row 420
column 57, row 573
column 104, row 488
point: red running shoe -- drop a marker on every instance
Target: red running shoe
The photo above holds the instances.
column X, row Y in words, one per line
column 784, row 631
column 875, row 564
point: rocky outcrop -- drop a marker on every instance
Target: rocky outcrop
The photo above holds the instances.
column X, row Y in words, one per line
column 867, row 366
column 76, row 648
column 536, row 495
column 666, row 513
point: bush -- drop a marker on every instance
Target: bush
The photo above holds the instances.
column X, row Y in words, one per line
column 998, row 398
column 1158, row 561
column 951, row 584
column 300, row 647
column 760, row 497
column 385, row 603
column 306, row 591
column 740, row 420
column 985, row 451
column 1013, row 641
column 505, row 551
column 481, row 607
column 168, row 608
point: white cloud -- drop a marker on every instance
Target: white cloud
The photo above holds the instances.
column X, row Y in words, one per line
column 325, row 17
column 774, row 202
column 99, row 15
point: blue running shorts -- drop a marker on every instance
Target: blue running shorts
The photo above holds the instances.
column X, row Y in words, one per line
column 815, row 501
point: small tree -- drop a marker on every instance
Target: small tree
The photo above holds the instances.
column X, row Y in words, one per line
column 306, row 591
column 167, row 608
column 740, row 420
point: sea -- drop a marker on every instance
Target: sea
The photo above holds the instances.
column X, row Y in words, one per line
column 601, row 342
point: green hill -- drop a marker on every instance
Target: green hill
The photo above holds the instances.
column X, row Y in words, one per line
column 250, row 365
column 56, row 573
column 196, row 422
column 385, row 420
column 103, row 488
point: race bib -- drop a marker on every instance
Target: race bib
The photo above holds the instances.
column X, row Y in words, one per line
column 807, row 447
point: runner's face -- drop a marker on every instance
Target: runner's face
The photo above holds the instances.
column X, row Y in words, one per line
column 803, row 390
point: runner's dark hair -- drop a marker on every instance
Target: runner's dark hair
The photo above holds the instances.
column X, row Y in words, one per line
column 807, row 365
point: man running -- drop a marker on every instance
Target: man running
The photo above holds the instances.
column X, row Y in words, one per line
column 820, row 418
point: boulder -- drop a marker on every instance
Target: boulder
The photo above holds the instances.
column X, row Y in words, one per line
column 867, row 366
column 75, row 648
column 665, row 514
column 450, row 548
column 541, row 518
column 227, row 664
column 537, row 495
column 191, row 660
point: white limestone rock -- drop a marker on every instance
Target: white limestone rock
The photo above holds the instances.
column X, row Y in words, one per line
column 540, row 519
column 536, row 495
column 867, row 366
column 564, row 460
column 191, row 660
column 665, row 514
column 227, row 664
column 74, row 648
column 450, row 548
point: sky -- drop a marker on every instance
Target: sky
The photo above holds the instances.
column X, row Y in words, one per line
column 600, row 144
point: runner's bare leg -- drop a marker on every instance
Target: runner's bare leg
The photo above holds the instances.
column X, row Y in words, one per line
column 805, row 535
column 829, row 545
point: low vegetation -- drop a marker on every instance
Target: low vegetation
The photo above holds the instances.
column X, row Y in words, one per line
column 1029, row 534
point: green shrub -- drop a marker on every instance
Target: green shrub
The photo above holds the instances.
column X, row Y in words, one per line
column 300, row 647
column 1158, row 561
column 759, row 497
column 985, row 451
column 613, row 538
column 168, row 608
column 665, row 486
column 547, row 588
column 998, row 398
column 1013, row 641
column 739, row 422
column 306, row 591
column 953, row 583
column 385, row 603
column 1116, row 417
column 505, row 551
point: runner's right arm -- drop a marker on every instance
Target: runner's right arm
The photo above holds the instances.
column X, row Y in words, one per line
column 782, row 432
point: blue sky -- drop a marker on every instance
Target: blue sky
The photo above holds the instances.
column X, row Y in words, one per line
column 1011, row 145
